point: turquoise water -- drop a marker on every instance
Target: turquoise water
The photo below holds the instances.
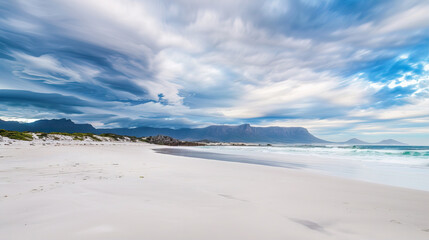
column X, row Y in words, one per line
column 408, row 155
column 402, row 166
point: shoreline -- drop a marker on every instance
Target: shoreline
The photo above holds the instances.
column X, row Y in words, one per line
column 345, row 167
column 127, row 191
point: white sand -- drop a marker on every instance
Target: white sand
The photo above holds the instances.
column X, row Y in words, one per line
column 127, row 191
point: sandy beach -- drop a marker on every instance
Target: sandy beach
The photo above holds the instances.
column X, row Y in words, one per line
column 128, row 191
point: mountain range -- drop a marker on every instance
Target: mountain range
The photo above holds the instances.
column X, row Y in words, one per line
column 218, row 133
column 355, row 141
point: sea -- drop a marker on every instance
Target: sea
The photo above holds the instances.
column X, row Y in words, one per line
column 400, row 166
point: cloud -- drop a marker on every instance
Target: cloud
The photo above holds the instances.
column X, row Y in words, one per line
column 46, row 101
column 152, row 122
column 193, row 63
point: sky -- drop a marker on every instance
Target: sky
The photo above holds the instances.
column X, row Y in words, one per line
column 341, row 68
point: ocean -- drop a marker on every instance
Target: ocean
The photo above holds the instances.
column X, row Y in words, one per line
column 401, row 166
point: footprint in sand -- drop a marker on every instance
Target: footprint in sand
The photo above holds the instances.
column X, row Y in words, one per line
column 231, row 197
column 309, row 224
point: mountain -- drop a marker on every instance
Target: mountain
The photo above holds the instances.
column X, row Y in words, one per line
column 224, row 133
column 216, row 133
column 390, row 142
column 355, row 141
column 220, row 133
column 54, row 125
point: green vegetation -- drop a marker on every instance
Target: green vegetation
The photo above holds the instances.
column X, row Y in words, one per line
column 24, row 136
column 134, row 139
column 42, row 135
column 78, row 136
column 117, row 137
column 111, row 135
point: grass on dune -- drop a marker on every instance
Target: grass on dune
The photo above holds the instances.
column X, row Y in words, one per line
column 24, row 136
column 117, row 137
column 78, row 136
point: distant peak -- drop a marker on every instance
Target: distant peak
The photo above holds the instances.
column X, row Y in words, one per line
column 391, row 142
column 57, row 120
column 245, row 127
column 355, row 141
column 63, row 120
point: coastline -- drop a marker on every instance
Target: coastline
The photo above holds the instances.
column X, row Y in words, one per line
column 410, row 172
column 128, row 191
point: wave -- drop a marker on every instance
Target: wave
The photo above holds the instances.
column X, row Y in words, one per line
column 413, row 151
column 409, row 155
column 403, row 166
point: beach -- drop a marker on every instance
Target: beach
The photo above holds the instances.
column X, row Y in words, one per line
column 129, row 191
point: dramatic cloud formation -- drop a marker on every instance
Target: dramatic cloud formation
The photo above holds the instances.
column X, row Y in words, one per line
column 340, row 68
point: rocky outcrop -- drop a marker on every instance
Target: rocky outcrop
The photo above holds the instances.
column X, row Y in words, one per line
column 166, row 140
